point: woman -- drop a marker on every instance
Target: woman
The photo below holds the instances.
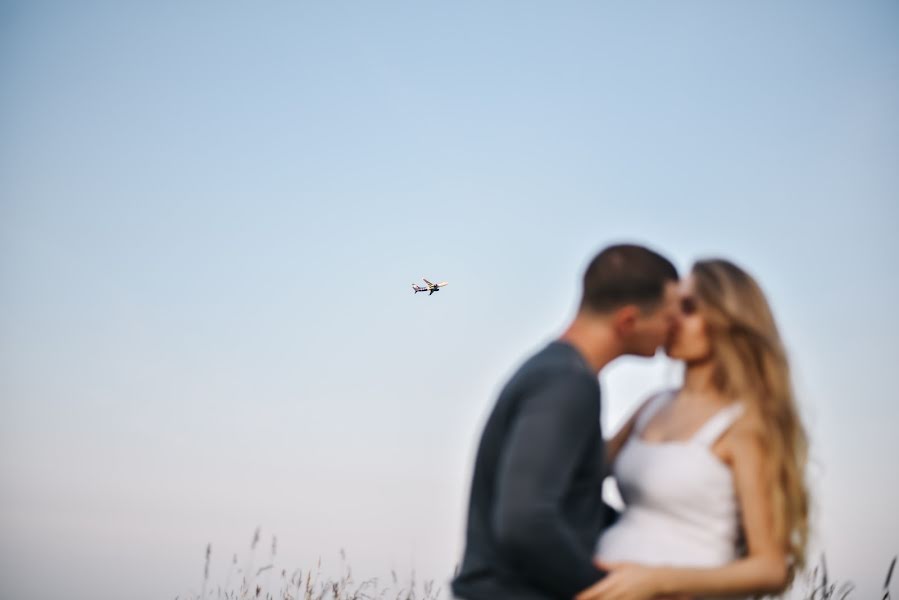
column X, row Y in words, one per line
column 712, row 474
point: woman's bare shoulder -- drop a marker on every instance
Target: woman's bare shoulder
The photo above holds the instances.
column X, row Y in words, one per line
column 651, row 399
column 746, row 435
column 631, row 420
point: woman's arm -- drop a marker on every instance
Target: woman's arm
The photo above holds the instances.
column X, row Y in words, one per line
column 616, row 442
column 763, row 570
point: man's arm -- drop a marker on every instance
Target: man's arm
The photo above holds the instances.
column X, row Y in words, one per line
column 554, row 425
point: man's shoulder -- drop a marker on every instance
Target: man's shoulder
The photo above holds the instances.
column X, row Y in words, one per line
column 559, row 357
column 554, row 360
column 557, row 374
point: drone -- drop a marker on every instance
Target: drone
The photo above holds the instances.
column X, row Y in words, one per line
column 430, row 288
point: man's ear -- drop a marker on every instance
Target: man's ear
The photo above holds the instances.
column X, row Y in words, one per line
column 624, row 320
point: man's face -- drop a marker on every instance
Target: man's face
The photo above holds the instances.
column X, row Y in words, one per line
column 654, row 329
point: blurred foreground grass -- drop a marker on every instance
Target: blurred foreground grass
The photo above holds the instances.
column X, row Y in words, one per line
column 251, row 583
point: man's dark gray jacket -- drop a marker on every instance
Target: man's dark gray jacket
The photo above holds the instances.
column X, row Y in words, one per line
column 536, row 506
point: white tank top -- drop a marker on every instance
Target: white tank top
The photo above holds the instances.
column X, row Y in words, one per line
column 680, row 504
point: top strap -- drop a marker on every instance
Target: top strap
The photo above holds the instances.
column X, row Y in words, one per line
column 651, row 408
column 718, row 424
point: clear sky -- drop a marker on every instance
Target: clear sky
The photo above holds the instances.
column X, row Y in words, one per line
column 211, row 214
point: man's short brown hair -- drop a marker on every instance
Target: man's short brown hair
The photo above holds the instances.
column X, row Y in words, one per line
column 626, row 274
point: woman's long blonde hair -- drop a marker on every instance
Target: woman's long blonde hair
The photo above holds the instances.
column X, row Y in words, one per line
column 751, row 363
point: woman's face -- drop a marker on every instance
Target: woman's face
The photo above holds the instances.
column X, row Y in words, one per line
column 690, row 342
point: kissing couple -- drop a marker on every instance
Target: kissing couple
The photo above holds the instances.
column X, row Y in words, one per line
column 711, row 473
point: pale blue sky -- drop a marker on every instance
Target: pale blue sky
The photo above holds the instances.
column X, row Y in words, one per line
column 211, row 215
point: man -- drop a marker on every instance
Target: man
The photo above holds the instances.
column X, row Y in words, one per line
column 536, row 506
